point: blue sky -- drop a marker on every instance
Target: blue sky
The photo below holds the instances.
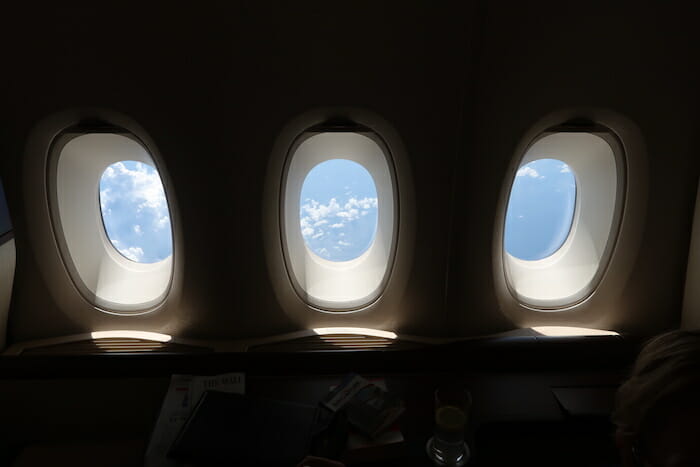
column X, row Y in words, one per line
column 338, row 210
column 135, row 211
column 540, row 209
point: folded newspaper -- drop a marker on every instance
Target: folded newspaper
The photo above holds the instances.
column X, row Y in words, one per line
column 183, row 394
column 369, row 407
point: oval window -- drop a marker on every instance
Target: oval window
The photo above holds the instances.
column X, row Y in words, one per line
column 135, row 211
column 338, row 210
column 561, row 219
column 338, row 219
column 540, row 209
column 112, row 221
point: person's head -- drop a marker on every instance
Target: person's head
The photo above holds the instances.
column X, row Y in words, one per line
column 657, row 410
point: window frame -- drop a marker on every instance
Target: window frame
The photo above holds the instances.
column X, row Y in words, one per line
column 362, row 303
column 621, row 186
column 55, row 151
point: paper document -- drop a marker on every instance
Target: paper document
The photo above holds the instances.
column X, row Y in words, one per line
column 183, row 394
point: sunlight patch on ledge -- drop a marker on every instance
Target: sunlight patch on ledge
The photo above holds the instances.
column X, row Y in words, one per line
column 357, row 331
column 563, row 331
column 146, row 335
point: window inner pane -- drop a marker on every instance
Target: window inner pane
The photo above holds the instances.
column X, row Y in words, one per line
column 540, row 209
column 135, row 211
column 338, row 210
column 5, row 223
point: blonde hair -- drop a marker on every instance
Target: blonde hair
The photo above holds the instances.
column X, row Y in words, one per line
column 667, row 367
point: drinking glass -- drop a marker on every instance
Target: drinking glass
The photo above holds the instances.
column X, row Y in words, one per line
column 447, row 446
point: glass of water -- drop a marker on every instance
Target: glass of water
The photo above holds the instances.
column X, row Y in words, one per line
column 447, row 446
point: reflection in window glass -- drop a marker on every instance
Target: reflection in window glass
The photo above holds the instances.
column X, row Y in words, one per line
column 540, row 209
column 135, row 211
column 338, row 210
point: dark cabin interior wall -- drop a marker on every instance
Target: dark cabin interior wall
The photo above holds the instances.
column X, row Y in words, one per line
column 213, row 86
column 535, row 59
column 460, row 82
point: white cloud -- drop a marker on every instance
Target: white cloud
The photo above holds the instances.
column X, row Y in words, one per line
column 364, row 203
column 317, row 211
column 105, row 197
column 527, row 171
column 134, row 253
column 323, row 225
column 350, row 214
column 135, row 210
column 162, row 222
column 565, row 169
column 141, row 185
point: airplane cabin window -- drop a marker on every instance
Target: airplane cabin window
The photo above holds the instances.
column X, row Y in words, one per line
column 7, row 263
column 540, row 209
column 338, row 218
column 135, row 212
column 111, row 220
column 562, row 218
column 5, row 222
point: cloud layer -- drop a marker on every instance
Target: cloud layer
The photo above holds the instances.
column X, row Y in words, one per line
column 338, row 210
column 339, row 231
